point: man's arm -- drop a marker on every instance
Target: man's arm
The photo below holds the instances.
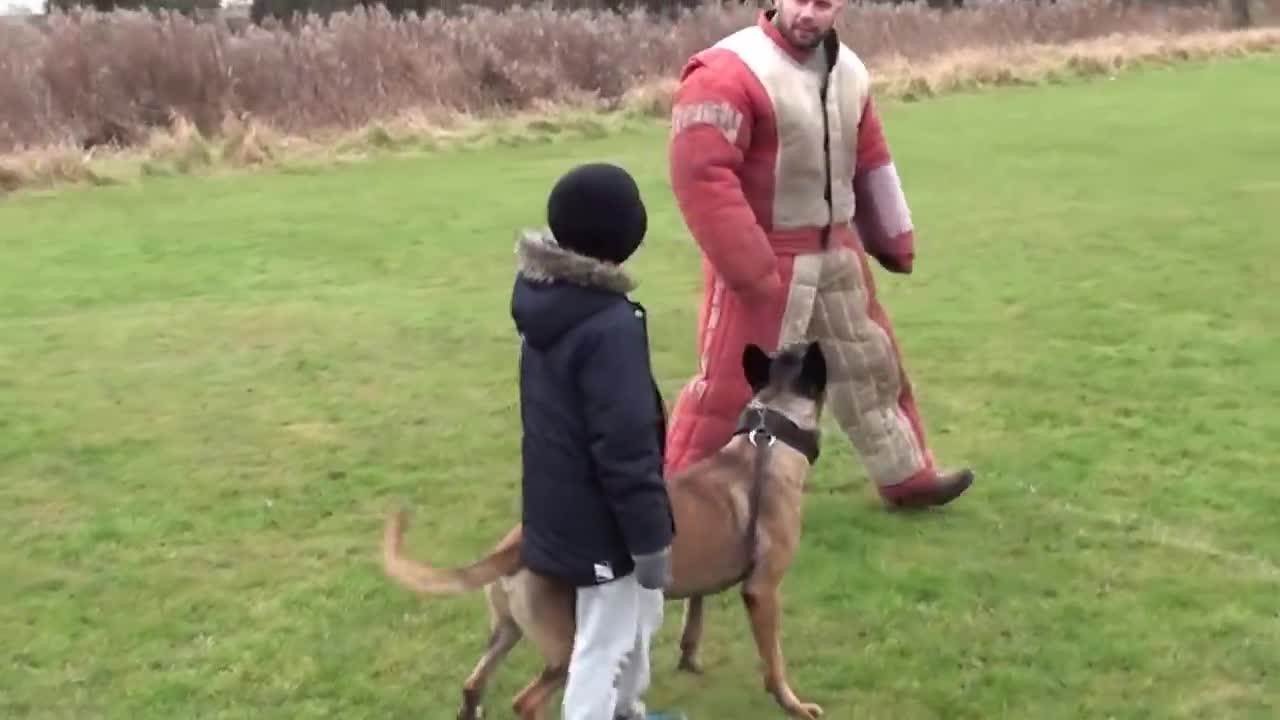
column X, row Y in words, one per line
column 711, row 128
column 622, row 417
column 883, row 218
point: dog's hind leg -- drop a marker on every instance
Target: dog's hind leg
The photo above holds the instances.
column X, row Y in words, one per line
column 691, row 635
column 763, row 602
column 504, row 637
column 504, row 634
column 531, row 703
column 545, row 609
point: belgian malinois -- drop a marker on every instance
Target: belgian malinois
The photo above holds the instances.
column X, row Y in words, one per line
column 737, row 515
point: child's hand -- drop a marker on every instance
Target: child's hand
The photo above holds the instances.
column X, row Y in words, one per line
column 653, row 571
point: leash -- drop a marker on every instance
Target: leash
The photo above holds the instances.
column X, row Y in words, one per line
column 762, row 439
column 768, row 427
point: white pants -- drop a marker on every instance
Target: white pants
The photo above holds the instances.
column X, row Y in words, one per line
column 609, row 668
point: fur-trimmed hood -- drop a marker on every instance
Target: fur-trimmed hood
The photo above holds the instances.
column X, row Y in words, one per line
column 540, row 259
column 557, row 290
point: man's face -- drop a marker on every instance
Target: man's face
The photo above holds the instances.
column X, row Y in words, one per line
column 805, row 22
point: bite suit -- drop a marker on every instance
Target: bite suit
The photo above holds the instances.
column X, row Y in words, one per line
column 782, row 172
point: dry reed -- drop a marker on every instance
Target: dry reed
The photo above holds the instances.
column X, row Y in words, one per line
column 363, row 81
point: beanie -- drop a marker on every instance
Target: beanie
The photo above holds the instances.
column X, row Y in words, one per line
column 596, row 210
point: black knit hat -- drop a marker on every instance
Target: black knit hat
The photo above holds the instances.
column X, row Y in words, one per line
column 596, row 210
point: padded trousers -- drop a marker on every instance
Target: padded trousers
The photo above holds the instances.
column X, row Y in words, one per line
column 830, row 297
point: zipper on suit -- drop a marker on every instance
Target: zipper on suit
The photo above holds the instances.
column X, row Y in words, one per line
column 832, row 50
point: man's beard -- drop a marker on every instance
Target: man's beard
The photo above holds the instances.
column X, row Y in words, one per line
column 815, row 42
column 790, row 35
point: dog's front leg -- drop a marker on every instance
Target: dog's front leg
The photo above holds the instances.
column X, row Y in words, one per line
column 691, row 635
column 763, row 601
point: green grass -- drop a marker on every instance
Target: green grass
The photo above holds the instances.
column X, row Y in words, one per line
column 212, row 389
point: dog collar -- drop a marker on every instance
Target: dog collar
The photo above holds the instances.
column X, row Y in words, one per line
column 770, row 425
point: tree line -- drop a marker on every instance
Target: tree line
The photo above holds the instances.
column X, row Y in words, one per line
column 1241, row 11
column 284, row 9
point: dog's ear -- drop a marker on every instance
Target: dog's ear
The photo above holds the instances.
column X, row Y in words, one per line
column 755, row 366
column 813, row 369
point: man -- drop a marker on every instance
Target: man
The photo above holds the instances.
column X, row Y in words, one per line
column 783, row 175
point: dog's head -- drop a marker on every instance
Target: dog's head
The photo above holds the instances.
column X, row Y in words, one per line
column 792, row 381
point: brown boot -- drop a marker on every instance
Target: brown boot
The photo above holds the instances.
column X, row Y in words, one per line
column 927, row 490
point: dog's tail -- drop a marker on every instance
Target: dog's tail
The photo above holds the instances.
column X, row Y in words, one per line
column 426, row 580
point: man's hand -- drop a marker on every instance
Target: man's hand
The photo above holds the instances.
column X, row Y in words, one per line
column 653, row 571
column 894, row 265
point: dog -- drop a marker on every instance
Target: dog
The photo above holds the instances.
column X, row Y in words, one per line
column 738, row 518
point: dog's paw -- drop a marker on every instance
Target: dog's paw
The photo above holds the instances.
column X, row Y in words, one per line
column 805, row 711
column 471, row 708
column 794, row 708
column 690, row 666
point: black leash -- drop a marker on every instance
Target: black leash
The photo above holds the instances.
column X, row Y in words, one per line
column 764, row 427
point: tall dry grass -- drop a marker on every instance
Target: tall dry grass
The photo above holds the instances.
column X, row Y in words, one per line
column 190, row 94
column 110, row 76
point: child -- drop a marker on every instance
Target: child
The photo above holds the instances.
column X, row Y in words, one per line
column 595, row 507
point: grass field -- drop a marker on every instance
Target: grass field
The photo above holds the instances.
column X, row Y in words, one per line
column 212, row 389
